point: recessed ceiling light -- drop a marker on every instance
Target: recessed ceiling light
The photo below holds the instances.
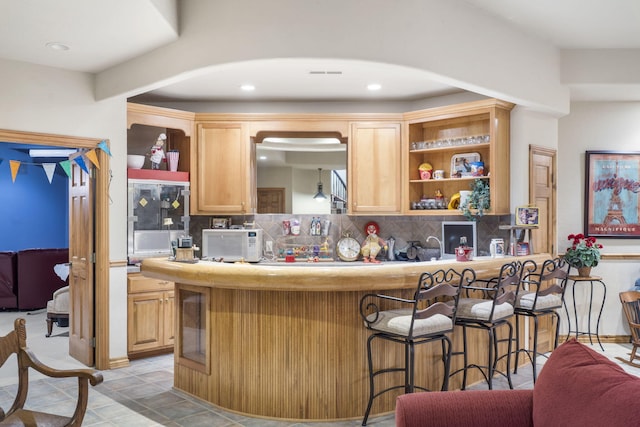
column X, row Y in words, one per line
column 57, row 46
column 248, row 87
column 374, row 86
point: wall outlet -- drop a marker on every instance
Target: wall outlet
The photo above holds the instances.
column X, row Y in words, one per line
column 268, row 246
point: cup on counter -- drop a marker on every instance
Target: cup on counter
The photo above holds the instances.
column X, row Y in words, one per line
column 295, row 227
column 496, row 248
column 286, row 228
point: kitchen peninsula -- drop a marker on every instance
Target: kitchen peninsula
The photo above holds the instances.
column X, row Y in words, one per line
column 287, row 341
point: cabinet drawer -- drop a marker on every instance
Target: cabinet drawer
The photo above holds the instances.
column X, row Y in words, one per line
column 139, row 283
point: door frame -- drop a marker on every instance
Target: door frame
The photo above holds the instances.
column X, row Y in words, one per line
column 553, row 154
column 101, row 227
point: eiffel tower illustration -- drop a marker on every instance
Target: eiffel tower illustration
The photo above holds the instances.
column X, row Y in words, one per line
column 614, row 214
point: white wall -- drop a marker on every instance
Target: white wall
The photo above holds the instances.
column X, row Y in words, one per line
column 527, row 128
column 594, row 126
column 48, row 100
column 304, row 188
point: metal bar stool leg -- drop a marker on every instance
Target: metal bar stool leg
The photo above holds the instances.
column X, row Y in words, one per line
column 371, row 382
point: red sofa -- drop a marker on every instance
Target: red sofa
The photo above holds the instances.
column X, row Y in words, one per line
column 576, row 387
column 8, row 282
column 37, row 281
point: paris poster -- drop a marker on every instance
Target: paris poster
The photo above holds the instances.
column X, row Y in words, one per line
column 612, row 207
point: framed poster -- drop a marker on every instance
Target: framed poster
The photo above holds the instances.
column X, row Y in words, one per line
column 612, row 187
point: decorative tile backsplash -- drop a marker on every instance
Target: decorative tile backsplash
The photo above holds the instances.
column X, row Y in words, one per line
column 402, row 228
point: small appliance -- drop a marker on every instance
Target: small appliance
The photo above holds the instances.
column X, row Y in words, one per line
column 232, row 245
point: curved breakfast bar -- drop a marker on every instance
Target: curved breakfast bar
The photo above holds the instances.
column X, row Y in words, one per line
column 287, row 341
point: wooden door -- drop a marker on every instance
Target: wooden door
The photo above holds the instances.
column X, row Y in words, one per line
column 81, row 273
column 542, row 193
column 271, row 200
column 374, row 168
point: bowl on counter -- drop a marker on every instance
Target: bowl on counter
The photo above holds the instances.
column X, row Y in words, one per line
column 135, row 161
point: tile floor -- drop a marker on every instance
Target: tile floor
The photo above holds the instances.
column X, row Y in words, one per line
column 142, row 394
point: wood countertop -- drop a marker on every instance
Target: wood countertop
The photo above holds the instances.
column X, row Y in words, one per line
column 310, row 277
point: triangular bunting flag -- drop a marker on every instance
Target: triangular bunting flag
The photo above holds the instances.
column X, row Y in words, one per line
column 104, row 147
column 80, row 161
column 15, row 165
column 91, row 155
column 49, row 169
column 66, row 167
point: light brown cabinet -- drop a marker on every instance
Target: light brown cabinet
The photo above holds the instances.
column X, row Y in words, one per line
column 440, row 136
column 374, row 177
column 384, row 156
column 224, row 171
column 151, row 314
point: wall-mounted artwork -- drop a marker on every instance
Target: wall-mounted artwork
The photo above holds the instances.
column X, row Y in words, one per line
column 612, row 194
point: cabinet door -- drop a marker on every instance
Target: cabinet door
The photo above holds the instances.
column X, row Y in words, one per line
column 169, row 317
column 146, row 321
column 374, row 168
column 223, row 176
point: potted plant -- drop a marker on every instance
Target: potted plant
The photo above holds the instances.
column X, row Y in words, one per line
column 583, row 253
column 479, row 200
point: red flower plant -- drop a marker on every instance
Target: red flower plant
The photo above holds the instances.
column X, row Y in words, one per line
column 583, row 252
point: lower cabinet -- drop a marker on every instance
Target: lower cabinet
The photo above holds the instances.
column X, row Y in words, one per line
column 150, row 315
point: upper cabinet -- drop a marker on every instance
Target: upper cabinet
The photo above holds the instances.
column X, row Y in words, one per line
column 460, row 143
column 385, row 153
column 374, row 168
column 224, row 175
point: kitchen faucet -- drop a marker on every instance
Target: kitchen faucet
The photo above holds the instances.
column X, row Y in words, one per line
column 439, row 244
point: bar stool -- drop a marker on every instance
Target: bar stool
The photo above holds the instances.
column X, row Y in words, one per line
column 540, row 294
column 488, row 305
column 427, row 317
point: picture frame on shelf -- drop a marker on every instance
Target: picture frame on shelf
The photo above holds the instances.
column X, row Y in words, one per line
column 461, row 164
column 612, row 200
column 522, row 248
column 527, row 215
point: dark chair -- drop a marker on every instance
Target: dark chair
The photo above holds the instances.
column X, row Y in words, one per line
column 541, row 293
column 15, row 343
column 631, row 306
column 426, row 317
column 488, row 305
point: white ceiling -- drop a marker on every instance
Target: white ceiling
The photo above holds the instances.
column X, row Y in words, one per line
column 101, row 34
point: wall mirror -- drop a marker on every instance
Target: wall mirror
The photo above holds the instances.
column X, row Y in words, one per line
column 292, row 168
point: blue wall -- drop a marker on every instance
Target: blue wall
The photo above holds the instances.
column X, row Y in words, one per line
column 33, row 213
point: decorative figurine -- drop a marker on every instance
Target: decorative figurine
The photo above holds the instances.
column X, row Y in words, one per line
column 157, row 155
column 372, row 244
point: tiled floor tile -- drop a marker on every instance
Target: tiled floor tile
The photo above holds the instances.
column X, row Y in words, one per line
column 142, row 394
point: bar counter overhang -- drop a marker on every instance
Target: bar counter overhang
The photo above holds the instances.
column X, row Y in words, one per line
column 287, row 341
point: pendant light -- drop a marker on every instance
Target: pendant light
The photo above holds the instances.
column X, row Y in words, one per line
column 320, row 195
